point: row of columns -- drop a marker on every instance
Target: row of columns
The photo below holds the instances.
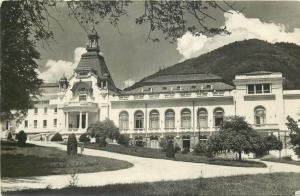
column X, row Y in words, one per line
column 80, row 120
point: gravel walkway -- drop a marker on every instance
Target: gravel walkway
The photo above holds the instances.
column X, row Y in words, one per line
column 144, row 170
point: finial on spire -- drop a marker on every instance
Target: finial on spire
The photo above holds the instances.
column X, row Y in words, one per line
column 93, row 41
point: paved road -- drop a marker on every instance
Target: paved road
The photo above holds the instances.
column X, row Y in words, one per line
column 144, row 170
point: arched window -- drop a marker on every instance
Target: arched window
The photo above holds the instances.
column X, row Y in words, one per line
column 123, row 121
column 170, row 119
column 154, row 119
column 186, row 118
column 202, row 118
column 218, row 116
column 139, row 120
column 259, row 115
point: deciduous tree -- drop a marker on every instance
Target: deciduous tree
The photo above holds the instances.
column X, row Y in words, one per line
column 294, row 134
column 236, row 135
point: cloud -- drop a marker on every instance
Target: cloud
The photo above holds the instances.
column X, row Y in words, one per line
column 55, row 69
column 241, row 28
column 128, row 83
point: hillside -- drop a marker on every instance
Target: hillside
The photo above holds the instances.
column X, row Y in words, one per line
column 242, row 57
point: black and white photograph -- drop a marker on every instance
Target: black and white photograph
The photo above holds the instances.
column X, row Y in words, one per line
column 150, row 98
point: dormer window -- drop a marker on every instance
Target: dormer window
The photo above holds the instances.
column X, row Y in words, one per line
column 164, row 88
column 193, row 87
column 83, row 73
column 177, row 88
column 82, row 97
column 147, row 89
column 208, row 86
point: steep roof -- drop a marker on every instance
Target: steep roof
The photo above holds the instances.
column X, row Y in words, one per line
column 92, row 60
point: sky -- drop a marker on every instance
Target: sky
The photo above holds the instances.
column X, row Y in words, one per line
column 130, row 57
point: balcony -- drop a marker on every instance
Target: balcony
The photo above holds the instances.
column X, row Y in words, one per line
column 186, row 129
column 186, row 94
column 265, row 126
column 138, row 97
column 139, row 129
column 171, row 95
column 154, row 96
column 174, row 95
column 124, row 97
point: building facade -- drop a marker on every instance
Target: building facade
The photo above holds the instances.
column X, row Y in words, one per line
column 189, row 107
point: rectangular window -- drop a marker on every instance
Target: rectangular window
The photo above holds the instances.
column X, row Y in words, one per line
column 35, row 123
column 251, row 89
column 267, row 88
column 44, row 123
column 26, row 123
column 35, row 110
column 82, row 97
column 45, row 110
column 54, row 122
column 258, row 89
column 55, row 110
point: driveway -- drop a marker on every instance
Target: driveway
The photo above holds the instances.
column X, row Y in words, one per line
column 144, row 170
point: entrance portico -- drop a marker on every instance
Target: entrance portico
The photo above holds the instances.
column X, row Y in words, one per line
column 79, row 118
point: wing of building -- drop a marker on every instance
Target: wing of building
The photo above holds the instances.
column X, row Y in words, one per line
column 189, row 107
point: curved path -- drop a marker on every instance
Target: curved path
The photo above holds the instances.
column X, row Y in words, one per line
column 144, row 170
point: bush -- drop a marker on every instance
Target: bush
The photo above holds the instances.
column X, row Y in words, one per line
column 201, row 149
column 163, row 144
column 72, row 145
column 287, row 158
column 84, row 138
column 185, row 150
column 57, row 137
column 21, row 137
column 101, row 141
column 177, row 148
column 170, row 150
column 272, row 143
column 123, row 140
column 9, row 136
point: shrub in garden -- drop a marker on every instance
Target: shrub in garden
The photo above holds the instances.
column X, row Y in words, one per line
column 287, row 158
column 185, row 150
column 57, row 138
column 177, row 148
column 9, row 136
column 72, row 145
column 163, row 144
column 101, row 141
column 201, row 149
column 272, row 143
column 84, row 138
column 123, row 140
column 21, row 137
column 170, row 150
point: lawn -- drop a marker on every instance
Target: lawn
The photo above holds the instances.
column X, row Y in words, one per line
column 32, row 160
column 262, row 184
column 189, row 157
column 277, row 160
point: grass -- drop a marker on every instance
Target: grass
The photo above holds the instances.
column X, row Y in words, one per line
column 262, row 184
column 32, row 160
column 189, row 157
column 277, row 160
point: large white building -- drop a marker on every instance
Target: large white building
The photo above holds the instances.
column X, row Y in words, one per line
column 189, row 107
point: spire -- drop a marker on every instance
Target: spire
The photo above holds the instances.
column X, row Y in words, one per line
column 93, row 41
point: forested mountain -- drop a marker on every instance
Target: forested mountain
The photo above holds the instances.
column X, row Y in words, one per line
column 242, row 57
